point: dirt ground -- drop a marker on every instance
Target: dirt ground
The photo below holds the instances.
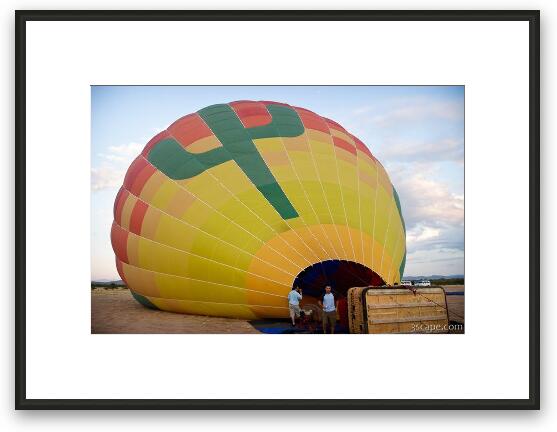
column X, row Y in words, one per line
column 115, row 311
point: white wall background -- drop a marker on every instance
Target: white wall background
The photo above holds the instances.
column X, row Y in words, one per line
column 431, row 421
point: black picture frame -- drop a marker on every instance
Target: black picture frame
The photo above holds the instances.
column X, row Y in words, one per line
column 531, row 16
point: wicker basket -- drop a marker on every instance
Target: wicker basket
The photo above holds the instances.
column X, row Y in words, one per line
column 397, row 310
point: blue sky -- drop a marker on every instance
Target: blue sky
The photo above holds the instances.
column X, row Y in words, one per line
column 416, row 132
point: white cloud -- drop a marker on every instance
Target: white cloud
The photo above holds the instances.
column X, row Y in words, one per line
column 421, row 233
column 106, row 178
column 434, row 217
column 448, row 149
column 115, row 162
column 425, row 200
column 419, row 109
column 124, row 153
column 414, row 129
column 429, row 262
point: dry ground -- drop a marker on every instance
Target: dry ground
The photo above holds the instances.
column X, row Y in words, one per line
column 115, row 311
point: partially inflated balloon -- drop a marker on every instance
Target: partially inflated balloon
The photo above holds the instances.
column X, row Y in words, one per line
column 224, row 211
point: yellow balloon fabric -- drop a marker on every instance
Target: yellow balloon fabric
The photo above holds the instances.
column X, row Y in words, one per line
column 226, row 209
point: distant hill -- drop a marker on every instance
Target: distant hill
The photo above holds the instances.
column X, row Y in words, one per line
column 108, row 282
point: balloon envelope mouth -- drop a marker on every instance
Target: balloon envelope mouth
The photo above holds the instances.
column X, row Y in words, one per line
column 339, row 274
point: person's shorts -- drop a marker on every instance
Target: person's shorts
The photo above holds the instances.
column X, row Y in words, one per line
column 329, row 318
column 294, row 310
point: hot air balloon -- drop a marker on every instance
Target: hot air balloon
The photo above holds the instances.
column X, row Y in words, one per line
column 229, row 207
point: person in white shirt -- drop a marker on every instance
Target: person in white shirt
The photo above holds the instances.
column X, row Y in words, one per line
column 329, row 310
column 294, row 298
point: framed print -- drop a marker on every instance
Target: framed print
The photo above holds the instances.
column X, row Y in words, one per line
column 277, row 210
